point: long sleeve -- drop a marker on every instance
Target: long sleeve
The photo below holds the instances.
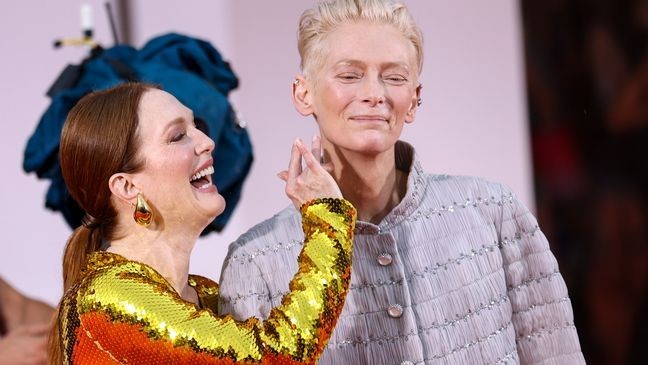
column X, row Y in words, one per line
column 254, row 279
column 542, row 312
column 127, row 314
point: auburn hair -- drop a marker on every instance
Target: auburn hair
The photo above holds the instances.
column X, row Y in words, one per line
column 99, row 138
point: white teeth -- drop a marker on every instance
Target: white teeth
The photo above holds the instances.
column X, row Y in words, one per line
column 204, row 172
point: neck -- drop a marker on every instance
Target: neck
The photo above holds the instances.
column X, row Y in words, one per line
column 168, row 253
column 370, row 182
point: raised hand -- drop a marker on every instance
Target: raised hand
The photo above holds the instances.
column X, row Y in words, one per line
column 311, row 182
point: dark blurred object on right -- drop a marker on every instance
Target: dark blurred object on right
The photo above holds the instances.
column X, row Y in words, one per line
column 587, row 79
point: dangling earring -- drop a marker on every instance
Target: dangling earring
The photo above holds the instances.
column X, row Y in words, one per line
column 142, row 213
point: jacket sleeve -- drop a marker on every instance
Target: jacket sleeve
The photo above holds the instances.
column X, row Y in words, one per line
column 542, row 311
column 135, row 321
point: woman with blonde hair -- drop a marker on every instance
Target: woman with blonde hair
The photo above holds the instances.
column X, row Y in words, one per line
column 133, row 159
column 447, row 269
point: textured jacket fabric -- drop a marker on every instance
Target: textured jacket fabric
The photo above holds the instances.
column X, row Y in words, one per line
column 457, row 273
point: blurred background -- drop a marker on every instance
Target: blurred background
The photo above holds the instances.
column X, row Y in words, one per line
column 587, row 86
column 549, row 97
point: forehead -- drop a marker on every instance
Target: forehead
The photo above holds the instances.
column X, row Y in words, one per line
column 158, row 107
column 368, row 43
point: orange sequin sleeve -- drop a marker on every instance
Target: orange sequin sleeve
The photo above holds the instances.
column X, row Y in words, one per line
column 125, row 312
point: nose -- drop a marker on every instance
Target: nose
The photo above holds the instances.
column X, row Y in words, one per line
column 374, row 91
column 204, row 143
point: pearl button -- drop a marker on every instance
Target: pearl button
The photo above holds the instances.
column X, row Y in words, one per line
column 384, row 259
column 395, row 310
column 406, row 362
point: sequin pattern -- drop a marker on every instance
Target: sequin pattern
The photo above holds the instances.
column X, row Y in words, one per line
column 124, row 312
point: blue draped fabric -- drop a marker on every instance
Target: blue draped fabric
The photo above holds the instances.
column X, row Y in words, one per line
column 190, row 69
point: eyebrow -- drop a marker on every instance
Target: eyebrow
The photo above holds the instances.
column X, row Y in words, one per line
column 175, row 121
column 351, row 62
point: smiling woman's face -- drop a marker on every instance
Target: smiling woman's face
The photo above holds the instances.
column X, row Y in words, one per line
column 366, row 89
column 176, row 178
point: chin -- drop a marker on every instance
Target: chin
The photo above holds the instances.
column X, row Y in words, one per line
column 217, row 208
column 369, row 145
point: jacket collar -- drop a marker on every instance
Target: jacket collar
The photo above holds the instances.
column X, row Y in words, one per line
column 406, row 161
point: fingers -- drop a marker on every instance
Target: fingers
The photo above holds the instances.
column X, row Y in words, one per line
column 283, row 175
column 294, row 167
column 39, row 359
column 316, row 147
column 37, row 329
column 308, row 157
column 32, row 330
column 328, row 167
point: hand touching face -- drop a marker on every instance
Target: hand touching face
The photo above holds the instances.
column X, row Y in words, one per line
column 310, row 182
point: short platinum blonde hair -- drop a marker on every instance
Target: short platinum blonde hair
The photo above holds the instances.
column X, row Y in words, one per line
column 316, row 23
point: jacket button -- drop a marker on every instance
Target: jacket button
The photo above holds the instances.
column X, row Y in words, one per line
column 384, row 259
column 395, row 310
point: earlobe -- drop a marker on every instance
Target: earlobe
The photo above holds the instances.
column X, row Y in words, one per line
column 416, row 102
column 302, row 96
column 122, row 187
column 411, row 114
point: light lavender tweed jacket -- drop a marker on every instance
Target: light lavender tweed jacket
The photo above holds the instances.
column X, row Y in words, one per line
column 457, row 273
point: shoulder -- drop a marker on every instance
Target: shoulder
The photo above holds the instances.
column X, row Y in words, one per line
column 483, row 199
column 207, row 291
column 112, row 282
column 283, row 230
column 200, row 282
column 462, row 187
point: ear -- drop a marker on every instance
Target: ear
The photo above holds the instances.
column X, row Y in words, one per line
column 411, row 113
column 302, row 96
column 122, row 187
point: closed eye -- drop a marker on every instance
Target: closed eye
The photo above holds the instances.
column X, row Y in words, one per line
column 349, row 77
column 178, row 137
column 395, row 80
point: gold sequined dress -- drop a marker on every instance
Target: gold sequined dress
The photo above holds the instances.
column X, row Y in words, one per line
column 124, row 312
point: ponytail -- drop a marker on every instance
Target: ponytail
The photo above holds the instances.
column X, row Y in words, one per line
column 55, row 343
column 83, row 241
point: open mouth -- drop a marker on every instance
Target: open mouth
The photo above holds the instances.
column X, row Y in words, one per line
column 202, row 179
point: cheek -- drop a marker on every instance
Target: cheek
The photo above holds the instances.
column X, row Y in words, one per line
column 402, row 100
column 335, row 97
column 172, row 165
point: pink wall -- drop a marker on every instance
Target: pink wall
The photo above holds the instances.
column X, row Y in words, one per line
column 472, row 121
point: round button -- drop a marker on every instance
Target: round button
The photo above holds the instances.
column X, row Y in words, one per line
column 384, row 259
column 395, row 310
column 406, row 362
